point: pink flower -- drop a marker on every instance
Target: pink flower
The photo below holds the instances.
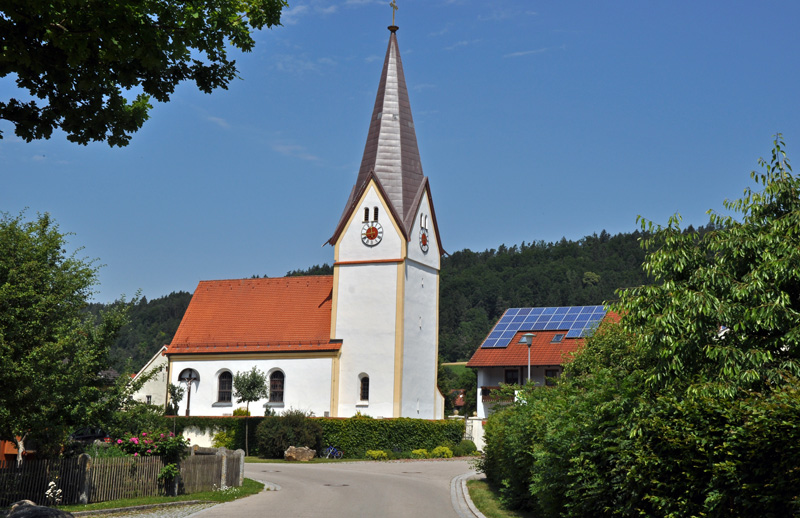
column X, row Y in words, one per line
column 119, row 441
column 171, row 434
column 144, row 434
column 135, row 454
column 162, row 435
column 149, row 451
column 134, row 440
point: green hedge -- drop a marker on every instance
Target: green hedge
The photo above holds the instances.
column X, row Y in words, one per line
column 357, row 435
column 354, row 436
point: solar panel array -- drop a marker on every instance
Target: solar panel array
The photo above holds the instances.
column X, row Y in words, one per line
column 577, row 321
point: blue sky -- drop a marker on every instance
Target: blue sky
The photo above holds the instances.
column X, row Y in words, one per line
column 535, row 121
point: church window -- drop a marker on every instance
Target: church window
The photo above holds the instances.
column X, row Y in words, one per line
column 276, row 380
column 364, row 388
column 225, row 387
column 375, row 213
column 366, row 214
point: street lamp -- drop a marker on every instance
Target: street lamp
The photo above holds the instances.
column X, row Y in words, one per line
column 527, row 339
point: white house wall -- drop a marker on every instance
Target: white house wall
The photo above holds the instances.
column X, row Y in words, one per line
column 307, row 384
column 156, row 387
column 495, row 376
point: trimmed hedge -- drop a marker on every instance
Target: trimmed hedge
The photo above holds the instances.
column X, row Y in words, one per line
column 357, row 435
column 354, row 436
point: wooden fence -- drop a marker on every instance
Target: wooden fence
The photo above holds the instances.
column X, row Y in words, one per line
column 86, row 480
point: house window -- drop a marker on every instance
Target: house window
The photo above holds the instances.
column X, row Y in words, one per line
column 364, row 388
column 366, row 214
column 557, row 338
column 375, row 214
column 149, row 400
column 276, row 387
column 512, row 376
column 550, row 375
column 225, row 387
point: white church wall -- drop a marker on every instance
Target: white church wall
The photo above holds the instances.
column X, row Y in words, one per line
column 420, row 335
column 351, row 248
column 365, row 320
column 415, row 253
column 307, row 385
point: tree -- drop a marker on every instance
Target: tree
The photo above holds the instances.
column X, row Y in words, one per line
column 249, row 386
column 175, row 396
column 53, row 353
column 83, row 59
column 725, row 309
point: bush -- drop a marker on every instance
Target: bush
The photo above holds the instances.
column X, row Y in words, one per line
column 241, row 412
column 441, row 452
column 419, row 454
column 377, row 455
column 294, row 428
column 224, row 439
column 468, row 446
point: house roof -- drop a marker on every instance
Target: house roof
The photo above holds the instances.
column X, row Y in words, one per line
column 543, row 351
column 258, row 315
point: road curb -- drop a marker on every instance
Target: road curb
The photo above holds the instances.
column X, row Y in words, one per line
column 459, row 496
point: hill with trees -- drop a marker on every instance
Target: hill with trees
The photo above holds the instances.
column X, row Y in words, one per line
column 475, row 289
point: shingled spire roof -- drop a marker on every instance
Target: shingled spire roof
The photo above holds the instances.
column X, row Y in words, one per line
column 391, row 152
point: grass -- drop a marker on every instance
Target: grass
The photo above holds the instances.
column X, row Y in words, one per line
column 249, row 487
column 457, row 368
column 487, row 500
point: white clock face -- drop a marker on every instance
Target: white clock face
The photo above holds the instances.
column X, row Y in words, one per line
column 423, row 239
column 371, row 233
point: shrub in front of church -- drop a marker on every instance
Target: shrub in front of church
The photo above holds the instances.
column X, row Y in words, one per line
column 441, row 452
column 355, row 436
column 377, row 455
column 464, row 449
column 275, row 434
column 421, row 453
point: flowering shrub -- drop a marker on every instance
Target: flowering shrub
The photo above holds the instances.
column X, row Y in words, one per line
column 442, row 452
column 167, row 445
column 421, row 453
column 377, row 455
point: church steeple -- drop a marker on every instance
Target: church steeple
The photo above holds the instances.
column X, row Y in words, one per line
column 391, row 153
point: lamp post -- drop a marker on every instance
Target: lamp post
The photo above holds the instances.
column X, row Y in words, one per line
column 527, row 339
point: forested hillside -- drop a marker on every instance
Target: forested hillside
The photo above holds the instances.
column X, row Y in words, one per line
column 152, row 324
column 476, row 287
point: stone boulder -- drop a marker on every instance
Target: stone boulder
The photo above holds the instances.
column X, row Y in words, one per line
column 303, row 454
column 27, row 509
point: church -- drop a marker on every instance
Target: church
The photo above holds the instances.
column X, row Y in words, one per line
column 363, row 340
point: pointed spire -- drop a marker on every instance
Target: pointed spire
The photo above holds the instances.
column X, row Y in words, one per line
column 391, row 151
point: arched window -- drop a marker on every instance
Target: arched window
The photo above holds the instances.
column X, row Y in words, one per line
column 225, row 387
column 375, row 214
column 276, row 380
column 366, row 214
column 364, row 392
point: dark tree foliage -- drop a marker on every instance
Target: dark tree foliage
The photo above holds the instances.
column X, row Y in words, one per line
column 152, row 324
column 317, row 269
column 80, row 61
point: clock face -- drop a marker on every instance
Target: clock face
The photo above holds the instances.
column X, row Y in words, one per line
column 423, row 239
column 371, row 233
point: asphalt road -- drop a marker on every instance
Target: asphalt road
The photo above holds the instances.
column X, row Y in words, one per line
column 382, row 489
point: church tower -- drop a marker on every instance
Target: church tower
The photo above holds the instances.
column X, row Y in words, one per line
column 385, row 306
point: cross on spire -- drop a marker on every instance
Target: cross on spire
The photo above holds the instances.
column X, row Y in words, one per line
column 393, row 4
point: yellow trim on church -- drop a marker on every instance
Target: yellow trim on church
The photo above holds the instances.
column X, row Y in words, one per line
column 253, row 356
column 399, row 340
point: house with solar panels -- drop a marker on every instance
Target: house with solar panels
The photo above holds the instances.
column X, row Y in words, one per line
column 363, row 340
column 509, row 352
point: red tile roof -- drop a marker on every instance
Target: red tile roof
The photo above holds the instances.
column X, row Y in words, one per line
column 543, row 351
column 258, row 315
